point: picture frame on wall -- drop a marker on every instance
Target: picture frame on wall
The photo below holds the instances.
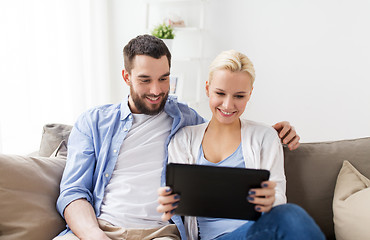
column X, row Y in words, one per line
column 173, row 84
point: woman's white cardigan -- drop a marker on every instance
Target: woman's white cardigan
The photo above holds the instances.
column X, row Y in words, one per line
column 261, row 148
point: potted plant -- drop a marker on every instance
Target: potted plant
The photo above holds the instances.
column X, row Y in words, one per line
column 165, row 32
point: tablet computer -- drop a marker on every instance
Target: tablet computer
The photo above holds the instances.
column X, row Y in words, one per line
column 219, row 192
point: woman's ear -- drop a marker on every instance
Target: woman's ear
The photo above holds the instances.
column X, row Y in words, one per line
column 250, row 94
column 126, row 76
column 207, row 88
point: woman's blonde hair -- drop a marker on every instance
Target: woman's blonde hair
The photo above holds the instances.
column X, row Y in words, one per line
column 233, row 61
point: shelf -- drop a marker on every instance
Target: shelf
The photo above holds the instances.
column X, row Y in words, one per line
column 188, row 29
column 182, row 29
column 187, row 51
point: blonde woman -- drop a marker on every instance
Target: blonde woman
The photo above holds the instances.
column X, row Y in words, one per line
column 227, row 140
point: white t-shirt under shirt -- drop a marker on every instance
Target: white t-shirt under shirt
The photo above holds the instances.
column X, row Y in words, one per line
column 130, row 198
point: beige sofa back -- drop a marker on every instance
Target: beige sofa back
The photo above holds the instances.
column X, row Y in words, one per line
column 29, row 186
column 312, row 171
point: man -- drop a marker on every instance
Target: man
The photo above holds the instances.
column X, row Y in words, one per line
column 117, row 154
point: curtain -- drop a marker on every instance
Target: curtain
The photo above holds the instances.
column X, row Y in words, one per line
column 54, row 63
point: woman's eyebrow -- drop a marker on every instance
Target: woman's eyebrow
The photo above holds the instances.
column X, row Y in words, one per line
column 241, row 92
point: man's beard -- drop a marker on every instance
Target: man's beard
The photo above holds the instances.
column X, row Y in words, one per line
column 139, row 102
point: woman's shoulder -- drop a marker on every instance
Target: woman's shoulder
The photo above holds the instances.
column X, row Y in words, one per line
column 189, row 133
column 258, row 128
column 192, row 130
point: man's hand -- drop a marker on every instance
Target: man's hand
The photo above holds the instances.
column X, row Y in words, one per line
column 167, row 202
column 287, row 134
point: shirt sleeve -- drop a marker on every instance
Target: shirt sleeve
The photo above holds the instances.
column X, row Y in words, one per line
column 77, row 179
column 272, row 158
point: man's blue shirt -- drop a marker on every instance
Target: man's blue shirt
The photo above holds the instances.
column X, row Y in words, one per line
column 93, row 148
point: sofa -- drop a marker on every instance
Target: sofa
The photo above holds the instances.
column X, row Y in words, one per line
column 330, row 180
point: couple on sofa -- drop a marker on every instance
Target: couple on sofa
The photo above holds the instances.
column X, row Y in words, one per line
column 117, row 156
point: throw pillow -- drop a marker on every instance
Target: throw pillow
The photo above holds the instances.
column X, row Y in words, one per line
column 61, row 151
column 351, row 204
column 29, row 187
column 52, row 136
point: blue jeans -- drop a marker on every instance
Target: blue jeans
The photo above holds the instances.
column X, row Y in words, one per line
column 287, row 221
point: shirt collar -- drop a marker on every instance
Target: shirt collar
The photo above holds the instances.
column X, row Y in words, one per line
column 125, row 109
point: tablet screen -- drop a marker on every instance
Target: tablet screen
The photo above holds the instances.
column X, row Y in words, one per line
column 219, row 192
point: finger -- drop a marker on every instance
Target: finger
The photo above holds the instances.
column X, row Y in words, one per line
column 167, row 215
column 163, row 208
column 263, row 201
column 262, row 192
column 284, row 132
column 291, row 134
column 168, row 199
column 268, row 184
column 260, row 208
column 267, row 190
column 278, row 126
column 294, row 147
column 294, row 144
column 282, row 126
column 164, row 191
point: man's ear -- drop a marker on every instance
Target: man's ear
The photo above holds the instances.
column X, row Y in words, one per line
column 207, row 88
column 126, row 76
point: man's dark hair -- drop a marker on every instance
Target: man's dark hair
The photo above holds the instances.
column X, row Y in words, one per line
column 144, row 45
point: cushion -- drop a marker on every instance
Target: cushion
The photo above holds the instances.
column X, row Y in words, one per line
column 351, row 204
column 29, row 187
column 61, row 150
column 52, row 136
column 312, row 171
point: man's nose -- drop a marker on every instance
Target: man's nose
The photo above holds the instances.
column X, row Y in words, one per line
column 155, row 88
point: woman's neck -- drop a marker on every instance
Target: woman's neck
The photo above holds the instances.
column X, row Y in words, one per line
column 221, row 128
column 220, row 140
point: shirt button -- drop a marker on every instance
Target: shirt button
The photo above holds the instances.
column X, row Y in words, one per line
column 130, row 117
column 114, row 150
column 125, row 129
column 106, row 175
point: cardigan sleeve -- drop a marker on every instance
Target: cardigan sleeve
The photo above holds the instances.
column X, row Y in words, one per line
column 179, row 149
column 272, row 158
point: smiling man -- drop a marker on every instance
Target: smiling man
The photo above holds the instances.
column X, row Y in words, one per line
column 117, row 154
column 148, row 96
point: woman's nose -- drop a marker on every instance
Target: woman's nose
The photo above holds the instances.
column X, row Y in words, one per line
column 228, row 103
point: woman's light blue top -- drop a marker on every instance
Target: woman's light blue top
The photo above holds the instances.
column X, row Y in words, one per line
column 210, row 228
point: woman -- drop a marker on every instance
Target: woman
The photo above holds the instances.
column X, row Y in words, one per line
column 227, row 140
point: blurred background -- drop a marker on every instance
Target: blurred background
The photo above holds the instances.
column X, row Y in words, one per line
column 60, row 57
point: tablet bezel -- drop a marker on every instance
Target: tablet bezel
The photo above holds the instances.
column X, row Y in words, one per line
column 211, row 191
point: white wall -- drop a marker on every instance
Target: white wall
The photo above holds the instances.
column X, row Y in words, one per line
column 127, row 20
column 311, row 58
column 53, row 66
